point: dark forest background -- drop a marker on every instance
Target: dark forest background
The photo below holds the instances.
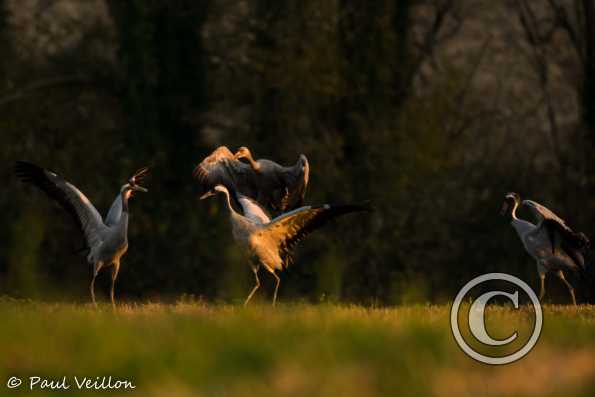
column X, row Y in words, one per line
column 430, row 109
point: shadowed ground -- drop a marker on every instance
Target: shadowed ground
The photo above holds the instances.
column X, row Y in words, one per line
column 192, row 348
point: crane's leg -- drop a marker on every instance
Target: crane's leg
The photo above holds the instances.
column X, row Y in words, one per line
column 255, row 270
column 542, row 271
column 115, row 271
column 276, row 287
column 541, row 286
column 96, row 268
column 570, row 288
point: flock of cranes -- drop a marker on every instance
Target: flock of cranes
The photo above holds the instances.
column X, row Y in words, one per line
column 254, row 190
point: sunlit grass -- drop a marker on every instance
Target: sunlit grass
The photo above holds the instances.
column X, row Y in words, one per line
column 193, row 348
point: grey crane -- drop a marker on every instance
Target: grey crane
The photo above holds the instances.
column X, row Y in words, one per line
column 276, row 187
column 291, row 182
column 554, row 246
column 106, row 241
column 270, row 241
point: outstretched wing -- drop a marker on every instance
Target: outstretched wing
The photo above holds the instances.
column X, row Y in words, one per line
column 289, row 229
column 274, row 187
column 220, row 168
column 573, row 243
column 541, row 213
column 212, row 171
column 68, row 196
column 115, row 212
column 295, row 191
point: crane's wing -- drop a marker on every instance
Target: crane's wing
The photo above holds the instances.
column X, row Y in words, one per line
column 220, row 168
column 211, row 169
column 68, row 196
column 541, row 213
column 252, row 210
column 304, row 179
column 295, row 193
column 574, row 244
column 273, row 186
column 577, row 255
column 289, row 229
column 115, row 212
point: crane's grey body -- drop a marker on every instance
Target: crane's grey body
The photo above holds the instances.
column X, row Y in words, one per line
column 268, row 242
column 276, row 187
column 553, row 245
column 106, row 241
column 288, row 184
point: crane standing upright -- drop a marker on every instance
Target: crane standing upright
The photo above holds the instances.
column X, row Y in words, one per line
column 554, row 246
column 106, row 241
column 270, row 241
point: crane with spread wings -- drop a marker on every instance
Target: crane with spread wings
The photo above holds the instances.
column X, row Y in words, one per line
column 106, row 240
column 276, row 187
column 551, row 242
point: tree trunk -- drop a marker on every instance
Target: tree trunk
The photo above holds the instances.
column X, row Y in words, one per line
column 401, row 15
column 588, row 94
column 5, row 41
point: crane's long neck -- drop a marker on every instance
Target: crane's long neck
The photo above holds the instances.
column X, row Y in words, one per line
column 513, row 211
column 228, row 203
column 255, row 165
column 522, row 227
column 124, row 196
column 241, row 226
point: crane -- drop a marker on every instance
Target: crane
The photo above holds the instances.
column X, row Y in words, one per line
column 554, row 246
column 106, row 241
column 270, row 241
column 276, row 187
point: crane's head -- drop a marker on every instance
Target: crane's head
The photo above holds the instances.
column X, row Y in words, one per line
column 214, row 191
column 244, row 153
column 133, row 182
column 509, row 202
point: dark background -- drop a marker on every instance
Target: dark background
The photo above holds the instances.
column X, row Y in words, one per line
column 431, row 109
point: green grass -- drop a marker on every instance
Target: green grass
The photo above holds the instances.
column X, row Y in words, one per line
column 191, row 349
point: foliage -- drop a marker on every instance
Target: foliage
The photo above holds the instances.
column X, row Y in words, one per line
column 413, row 106
column 191, row 348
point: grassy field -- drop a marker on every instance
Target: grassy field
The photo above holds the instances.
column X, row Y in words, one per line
column 195, row 349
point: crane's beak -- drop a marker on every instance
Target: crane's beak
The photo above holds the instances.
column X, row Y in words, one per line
column 207, row 194
column 139, row 188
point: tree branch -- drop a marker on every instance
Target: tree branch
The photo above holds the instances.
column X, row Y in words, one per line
column 40, row 85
